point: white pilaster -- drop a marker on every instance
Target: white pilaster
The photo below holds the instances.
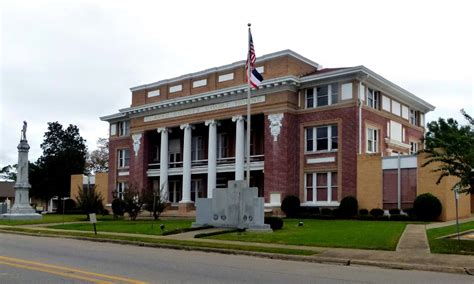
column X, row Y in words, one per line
column 164, row 157
column 186, row 164
column 239, row 147
column 211, row 157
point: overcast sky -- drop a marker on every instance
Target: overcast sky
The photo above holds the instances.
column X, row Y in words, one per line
column 74, row 61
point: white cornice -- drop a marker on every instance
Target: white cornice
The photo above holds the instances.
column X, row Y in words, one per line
column 112, row 116
column 225, row 68
column 209, row 95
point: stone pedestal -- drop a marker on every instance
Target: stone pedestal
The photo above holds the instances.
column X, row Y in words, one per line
column 234, row 207
column 21, row 209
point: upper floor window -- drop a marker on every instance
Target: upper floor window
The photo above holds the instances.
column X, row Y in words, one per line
column 373, row 98
column 124, row 128
column 123, row 158
column 413, row 148
column 372, row 140
column 321, row 138
column 413, row 117
column 322, row 95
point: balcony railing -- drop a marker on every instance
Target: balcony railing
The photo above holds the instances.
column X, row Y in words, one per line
column 204, row 162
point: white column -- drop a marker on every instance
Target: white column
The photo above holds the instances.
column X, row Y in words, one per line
column 239, row 147
column 186, row 164
column 211, row 157
column 164, row 160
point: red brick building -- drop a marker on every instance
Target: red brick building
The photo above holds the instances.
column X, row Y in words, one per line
column 186, row 135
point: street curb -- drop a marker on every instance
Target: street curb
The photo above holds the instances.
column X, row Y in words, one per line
column 312, row 259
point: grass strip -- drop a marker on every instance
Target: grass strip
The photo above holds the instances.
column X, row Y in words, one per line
column 438, row 244
column 163, row 242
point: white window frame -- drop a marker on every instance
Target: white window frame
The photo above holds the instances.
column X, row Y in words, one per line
column 413, row 117
column 375, row 140
column 373, row 97
column 123, row 160
column 331, row 189
column 123, row 128
column 120, row 190
column 315, row 138
column 330, row 95
column 414, row 147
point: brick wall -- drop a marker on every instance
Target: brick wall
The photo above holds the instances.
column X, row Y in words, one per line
column 114, row 145
column 427, row 183
column 346, row 161
column 369, row 181
column 281, row 159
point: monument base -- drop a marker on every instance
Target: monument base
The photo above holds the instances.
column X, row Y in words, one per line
column 237, row 206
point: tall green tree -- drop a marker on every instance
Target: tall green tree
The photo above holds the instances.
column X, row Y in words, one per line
column 64, row 154
column 8, row 173
column 452, row 145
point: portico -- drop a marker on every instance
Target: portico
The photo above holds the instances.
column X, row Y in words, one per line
column 195, row 158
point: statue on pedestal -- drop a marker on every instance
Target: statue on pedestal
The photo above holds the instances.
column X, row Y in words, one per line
column 21, row 209
column 23, row 131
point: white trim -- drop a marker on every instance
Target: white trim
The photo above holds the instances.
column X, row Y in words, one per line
column 121, row 174
column 321, row 160
column 155, row 93
column 191, row 111
column 199, row 83
column 226, row 77
column 176, row 88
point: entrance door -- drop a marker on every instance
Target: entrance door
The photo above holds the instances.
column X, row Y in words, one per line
column 175, row 191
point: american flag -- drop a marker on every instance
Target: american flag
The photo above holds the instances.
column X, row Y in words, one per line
column 255, row 77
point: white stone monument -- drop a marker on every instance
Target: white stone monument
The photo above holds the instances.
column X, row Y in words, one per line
column 21, row 209
column 237, row 206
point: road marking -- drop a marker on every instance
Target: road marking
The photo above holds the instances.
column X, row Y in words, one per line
column 56, row 273
column 67, row 270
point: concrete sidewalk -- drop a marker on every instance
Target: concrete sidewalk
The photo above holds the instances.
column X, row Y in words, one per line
column 412, row 251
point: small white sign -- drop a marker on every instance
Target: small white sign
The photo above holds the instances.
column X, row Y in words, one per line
column 92, row 218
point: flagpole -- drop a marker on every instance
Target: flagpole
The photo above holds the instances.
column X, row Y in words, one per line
column 248, row 113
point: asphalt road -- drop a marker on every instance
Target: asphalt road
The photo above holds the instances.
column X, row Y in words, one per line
column 25, row 259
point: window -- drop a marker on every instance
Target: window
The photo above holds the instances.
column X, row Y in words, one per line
column 413, row 148
column 372, row 140
column 124, row 128
column 309, row 98
column 413, row 117
column 222, row 145
column 123, row 158
column 121, row 186
column 197, row 152
column 321, row 187
column 373, row 98
column 322, row 95
column 321, row 138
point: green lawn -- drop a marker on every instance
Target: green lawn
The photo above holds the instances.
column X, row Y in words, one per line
column 329, row 233
column 132, row 227
column 450, row 245
column 52, row 218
